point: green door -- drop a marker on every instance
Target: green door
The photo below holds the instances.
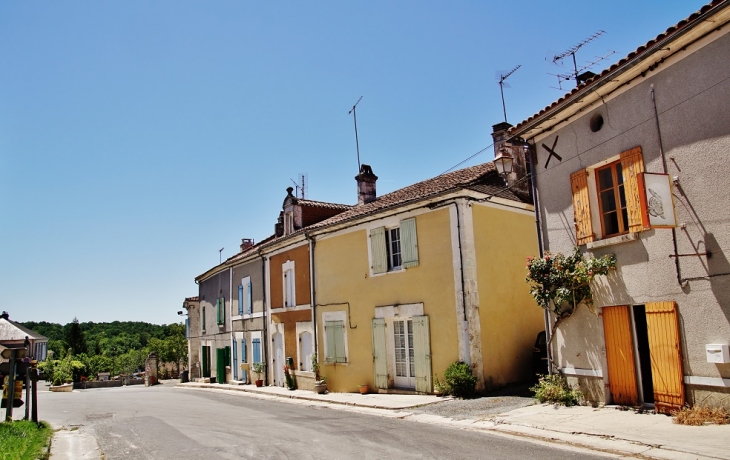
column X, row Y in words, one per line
column 422, row 353
column 206, row 361
column 379, row 356
column 220, row 365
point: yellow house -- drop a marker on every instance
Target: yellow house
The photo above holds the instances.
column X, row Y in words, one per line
column 409, row 282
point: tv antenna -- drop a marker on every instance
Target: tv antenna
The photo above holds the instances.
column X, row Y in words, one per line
column 577, row 72
column 300, row 187
column 502, row 76
column 357, row 143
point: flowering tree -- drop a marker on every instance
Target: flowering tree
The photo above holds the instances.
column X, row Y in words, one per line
column 560, row 283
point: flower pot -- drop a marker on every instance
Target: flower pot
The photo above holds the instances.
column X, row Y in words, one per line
column 259, row 383
column 364, row 389
column 320, row 388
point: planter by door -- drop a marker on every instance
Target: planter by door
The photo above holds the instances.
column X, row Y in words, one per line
column 259, row 383
column 320, row 388
column 364, row 389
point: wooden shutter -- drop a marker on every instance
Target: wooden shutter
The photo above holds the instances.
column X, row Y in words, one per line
column 240, row 300
column 206, row 361
column 220, row 365
column 330, row 330
column 223, row 310
column 581, row 207
column 620, row 355
column 379, row 250
column 187, row 329
column 339, row 342
column 218, row 311
column 380, row 362
column 666, row 358
column 256, row 344
column 632, row 164
column 422, row 353
column 249, row 298
column 235, row 360
column 409, row 243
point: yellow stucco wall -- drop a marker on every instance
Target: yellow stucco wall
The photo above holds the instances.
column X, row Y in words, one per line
column 342, row 274
column 510, row 319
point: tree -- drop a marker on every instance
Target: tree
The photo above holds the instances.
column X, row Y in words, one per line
column 560, row 283
column 75, row 338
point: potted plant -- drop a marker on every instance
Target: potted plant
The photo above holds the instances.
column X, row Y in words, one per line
column 258, row 369
column 364, row 388
column 290, row 382
column 320, row 383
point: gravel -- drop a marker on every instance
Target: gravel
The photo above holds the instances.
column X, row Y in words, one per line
column 484, row 407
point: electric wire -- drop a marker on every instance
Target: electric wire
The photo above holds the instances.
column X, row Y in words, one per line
column 464, row 161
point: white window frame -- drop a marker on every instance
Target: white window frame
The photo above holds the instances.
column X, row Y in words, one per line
column 380, row 242
column 289, row 285
column 390, row 254
column 288, row 223
column 243, row 297
column 336, row 316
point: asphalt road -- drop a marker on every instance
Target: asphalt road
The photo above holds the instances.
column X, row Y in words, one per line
column 164, row 422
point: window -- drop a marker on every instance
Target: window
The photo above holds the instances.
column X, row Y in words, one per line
column 614, row 196
column 202, row 319
column 256, row 345
column 289, row 281
column 612, row 199
column 288, row 223
column 187, row 328
column 394, row 248
column 220, row 311
column 244, row 297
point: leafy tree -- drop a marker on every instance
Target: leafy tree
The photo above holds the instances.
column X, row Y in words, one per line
column 75, row 338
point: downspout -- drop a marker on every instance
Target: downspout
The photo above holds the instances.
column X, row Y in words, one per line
column 540, row 250
column 677, row 268
column 312, row 289
column 265, row 338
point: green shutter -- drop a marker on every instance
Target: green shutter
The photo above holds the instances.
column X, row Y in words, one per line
column 203, row 318
column 329, row 330
column 223, row 310
column 220, row 365
column 340, row 342
column 218, row 311
column 409, row 243
column 379, row 356
column 422, row 353
column 379, row 250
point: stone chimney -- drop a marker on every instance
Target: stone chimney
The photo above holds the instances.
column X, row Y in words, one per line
column 5, row 315
column 366, row 185
column 499, row 135
column 246, row 243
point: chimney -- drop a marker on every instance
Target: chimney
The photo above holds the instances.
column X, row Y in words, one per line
column 518, row 150
column 5, row 315
column 499, row 135
column 366, row 185
column 246, row 243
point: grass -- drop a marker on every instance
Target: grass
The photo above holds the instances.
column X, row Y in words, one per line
column 698, row 416
column 554, row 389
column 24, row 440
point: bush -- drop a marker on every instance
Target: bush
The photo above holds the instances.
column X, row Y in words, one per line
column 459, row 380
column 554, row 389
column 698, row 416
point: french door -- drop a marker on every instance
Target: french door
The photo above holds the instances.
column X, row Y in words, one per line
column 405, row 367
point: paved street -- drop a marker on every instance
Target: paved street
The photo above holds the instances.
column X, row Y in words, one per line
column 165, row 422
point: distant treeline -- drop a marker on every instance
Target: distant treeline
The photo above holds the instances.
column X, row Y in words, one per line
column 85, row 349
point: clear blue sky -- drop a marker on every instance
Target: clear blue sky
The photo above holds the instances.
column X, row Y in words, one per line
column 137, row 138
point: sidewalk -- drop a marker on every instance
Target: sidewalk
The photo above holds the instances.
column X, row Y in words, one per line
column 605, row 429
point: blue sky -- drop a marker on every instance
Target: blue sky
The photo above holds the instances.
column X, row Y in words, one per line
column 138, row 138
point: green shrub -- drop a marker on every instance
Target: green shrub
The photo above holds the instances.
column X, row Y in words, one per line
column 459, row 380
column 554, row 389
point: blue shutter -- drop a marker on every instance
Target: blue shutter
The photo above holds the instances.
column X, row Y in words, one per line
column 256, row 350
column 218, row 311
column 250, row 299
column 187, row 328
column 240, row 299
column 235, row 360
column 244, row 355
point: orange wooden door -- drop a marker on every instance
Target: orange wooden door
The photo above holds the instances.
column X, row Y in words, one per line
column 620, row 355
column 666, row 359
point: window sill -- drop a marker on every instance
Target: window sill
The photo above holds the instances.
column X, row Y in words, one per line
column 613, row 240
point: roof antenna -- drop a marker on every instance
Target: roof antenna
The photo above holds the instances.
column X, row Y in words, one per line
column 576, row 74
column 357, row 143
column 300, row 187
column 502, row 76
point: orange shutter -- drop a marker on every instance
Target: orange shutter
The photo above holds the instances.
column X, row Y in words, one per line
column 581, row 207
column 620, row 355
column 666, row 359
column 632, row 164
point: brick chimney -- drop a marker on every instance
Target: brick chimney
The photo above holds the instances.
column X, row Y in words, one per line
column 366, row 185
column 516, row 149
column 246, row 243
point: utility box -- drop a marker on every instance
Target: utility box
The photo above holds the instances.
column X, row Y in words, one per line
column 718, row 353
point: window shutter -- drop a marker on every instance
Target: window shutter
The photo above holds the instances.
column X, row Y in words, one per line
column 244, row 356
column 256, row 343
column 330, row 329
column 187, row 328
column 379, row 354
column 223, row 310
column 379, row 251
column 409, row 242
column 240, row 300
column 581, row 207
column 218, row 311
column 203, row 318
column 235, row 360
column 340, row 342
column 249, row 298
column 632, row 164
column 422, row 353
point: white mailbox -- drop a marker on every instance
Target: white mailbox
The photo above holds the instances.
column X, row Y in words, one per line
column 718, row 353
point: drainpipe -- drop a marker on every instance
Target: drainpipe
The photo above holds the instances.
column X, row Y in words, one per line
column 677, row 268
column 312, row 289
column 265, row 338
